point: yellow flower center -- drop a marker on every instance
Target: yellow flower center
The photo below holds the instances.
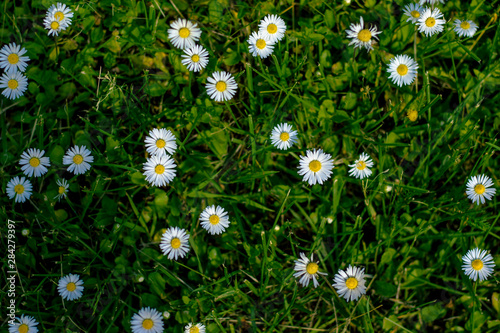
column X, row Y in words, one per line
column 477, row 264
column 430, row 22
column 160, row 143
column 315, row 166
column 19, row 189
column 78, row 159
column 194, row 329
column 147, row 324
column 479, row 189
column 402, row 70
column 214, row 219
column 159, row 169
column 34, row 162
column 361, row 165
column 12, row 84
column 415, row 14
column 272, row 28
column 465, row 25
column 54, row 25
column 195, row 58
column 351, row 283
column 184, row 32
column 62, row 189
column 13, row 59
column 221, row 86
column 260, row 43
column 284, row 136
column 312, row 268
column 364, row 35
column 412, row 115
column 71, row 286
column 23, row 328
column 175, row 243
column 59, row 16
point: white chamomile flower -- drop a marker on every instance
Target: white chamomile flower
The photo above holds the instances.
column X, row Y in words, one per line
column 214, row 220
column 350, row 283
column 175, row 243
column 273, row 27
column 147, row 320
column 11, row 58
column 19, row 188
column 402, row 70
column 192, row 328
column 15, row 84
column 316, row 167
column 160, row 142
column 221, row 86
column 430, row 22
column 62, row 189
column 361, row 167
column 283, row 137
column 78, row 159
column 70, row 287
column 478, row 264
column 61, row 13
column 431, row 2
column 54, row 26
column 307, row 270
column 465, row 28
column 478, row 188
column 195, row 58
column 25, row 324
column 362, row 37
column 260, row 45
column 184, row 34
column 159, row 170
column 413, row 11
column 33, row 163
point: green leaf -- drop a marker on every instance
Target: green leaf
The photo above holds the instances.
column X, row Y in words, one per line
column 385, row 289
column 387, row 256
column 432, row 312
column 56, row 155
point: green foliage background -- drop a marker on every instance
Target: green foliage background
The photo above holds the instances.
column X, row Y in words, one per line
column 113, row 76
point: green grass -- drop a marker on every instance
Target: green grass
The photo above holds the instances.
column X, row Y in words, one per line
column 113, row 76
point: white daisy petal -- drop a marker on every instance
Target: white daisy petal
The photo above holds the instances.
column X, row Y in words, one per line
column 283, row 137
column 12, row 59
column 362, row 37
column 259, row 44
column 15, row 84
column 273, row 27
column 160, row 142
column 350, row 283
column 78, row 159
column 413, row 11
column 60, row 13
column 431, row 2
column 361, row 167
column 54, row 25
column 307, row 270
column 175, row 243
column 479, row 189
column 478, row 264
column 431, row 22
column 402, row 70
column 192, row 328
column 465, row 28
column 70, row 287
column 20, row 189
column 195, row 58
column 62, row 190
column 184, row 34
column 214, row 220
column 25, row 324
column 33, row 163
column 159, row 170
column 221, row 86
column 147, row 320
column 316, row 167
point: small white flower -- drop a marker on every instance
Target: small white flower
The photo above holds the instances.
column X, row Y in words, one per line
column 62, row 190
column 160, row 142
column 431, row 2
column 478, row 189
column 61, row 13
column 413, row 11
column 33, row 163
column 159, row 170
column 175, row 243
column 184, row 34
column 430, row 22
column 195, row 58
column 19, row 188
column 54, row 26
column 221, row 86
column 26, row 324
column 260, row 45
column 350, row 283
column 362, row 37
column 273, row 27
column 283, row 137
column 214, row 220
column 465, row 28
column 307, row 270
column 360, row 168
column 478, row 264
column 402, row 70
column 70, row 287
column 15, row 84
column 78, row 159
column 316, row 167
column 11, row 58
column 147, row 320
column 192, row 328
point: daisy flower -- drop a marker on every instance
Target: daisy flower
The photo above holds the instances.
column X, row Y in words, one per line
column 19, row 188
column 175, row 243
column 15, row 84
column 160, row 142
column 478, row 189
column 183, row 34
column 214, row 220
column 62, row 190
column 11, row 58
column 283, row 137
column 221, row 86
column 195, row 58
column 192, row 328
column 147, row 320
column 361, row 167
column 272, row 27
column 61, row 13
column 78, row 159
column 159, row 170
column 26, row 324
column 413, row 11
column 477, row 263
column 316, row 167
column 350, row 283
column 402, row 70
column 33, row 163
column 70, row 287
column 260, row 45
column 430, row 22
column 462, row 28
column 307, row 270
column 54, row 26
column 362, row 37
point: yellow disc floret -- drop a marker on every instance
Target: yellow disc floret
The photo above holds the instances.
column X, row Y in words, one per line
column 13, row 59
column 284, row 136
column 272, row 28
column 23, row 328
column 430, row 22
column 71, row 286
column 19, row 189
column 78, row 159
column 351, row 283
column 175, row 243
column 312, row 268
column 214, row 219
column 12, row 84
column 59, row 16
column 315, row 166
column 415, row 14
column 465, row 25
column 34, row 162
column 160, row 143
column 221, row 86
column 361, row 165
column 260, row 43
column 147, row 324
column 195, row 58
column 159, row 169
column 54, row 25
column 402, row 70
column 477, row 264
column 184, row 32
column 364, row 35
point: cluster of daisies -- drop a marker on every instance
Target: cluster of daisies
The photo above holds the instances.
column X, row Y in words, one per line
column 57, row 19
